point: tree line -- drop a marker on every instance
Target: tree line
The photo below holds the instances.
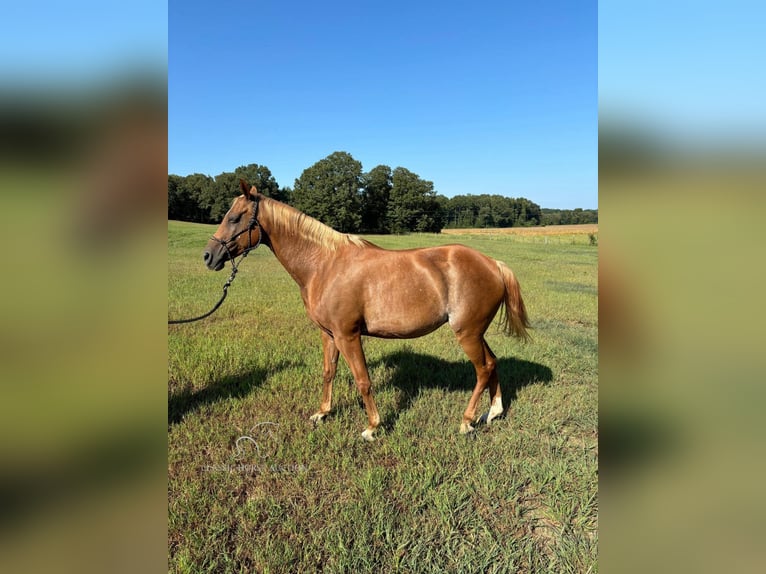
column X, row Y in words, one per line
column 336, row 191
column 569, row 216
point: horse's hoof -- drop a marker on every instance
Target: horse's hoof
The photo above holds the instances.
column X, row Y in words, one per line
column 488, row 417
column 465, row 428
column 317, row 418
column 367, row 435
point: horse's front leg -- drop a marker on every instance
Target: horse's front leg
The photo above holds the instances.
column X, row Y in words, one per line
column 351, row 348
column 328, row 375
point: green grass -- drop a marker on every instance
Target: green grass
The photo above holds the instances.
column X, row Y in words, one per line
column 518, row 496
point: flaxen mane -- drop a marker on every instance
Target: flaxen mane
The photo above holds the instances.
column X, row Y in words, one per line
column 290, row 220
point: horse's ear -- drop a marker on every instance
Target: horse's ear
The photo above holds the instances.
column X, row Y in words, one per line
column 245, row 188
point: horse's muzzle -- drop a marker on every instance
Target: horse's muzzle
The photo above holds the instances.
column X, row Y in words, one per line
column 214, row 259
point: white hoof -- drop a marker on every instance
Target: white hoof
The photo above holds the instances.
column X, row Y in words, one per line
column 317, row 418
column 367, row 435
column 465, row 428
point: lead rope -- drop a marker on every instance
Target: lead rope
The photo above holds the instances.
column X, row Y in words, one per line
column 220, row 301
column 234, row 265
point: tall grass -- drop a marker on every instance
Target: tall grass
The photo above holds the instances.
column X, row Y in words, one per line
column 519, row 496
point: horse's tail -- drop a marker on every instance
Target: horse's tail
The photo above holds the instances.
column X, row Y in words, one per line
column 514, row 321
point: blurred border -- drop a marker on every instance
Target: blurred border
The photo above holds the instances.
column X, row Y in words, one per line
column 682, row 166
column 83, row 170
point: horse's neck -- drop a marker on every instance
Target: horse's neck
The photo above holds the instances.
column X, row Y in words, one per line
column 299, row 256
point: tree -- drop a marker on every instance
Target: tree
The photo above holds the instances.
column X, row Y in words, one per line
column 194, row 189
column 462, row 211
column 329, row 190
column 532, row 212
column 204, row 199
column 412, row 204
column 260, row 176
column 484, row 217
column 375, row 196
column 226, row 187
column 492, row 211
column 223, row 191
column 181, row 204
column 568, row 216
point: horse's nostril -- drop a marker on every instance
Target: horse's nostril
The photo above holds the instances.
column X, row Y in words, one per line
column 206, row 256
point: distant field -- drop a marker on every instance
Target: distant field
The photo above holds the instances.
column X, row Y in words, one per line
column 585, row 229
column 518, row 496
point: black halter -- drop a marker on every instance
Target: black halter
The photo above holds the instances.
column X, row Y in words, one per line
column 250, row 226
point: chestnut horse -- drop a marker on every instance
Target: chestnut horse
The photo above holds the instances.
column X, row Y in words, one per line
column 352, row 288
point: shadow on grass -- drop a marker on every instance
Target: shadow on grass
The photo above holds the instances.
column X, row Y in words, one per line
column 413, row 372
column 229, row 386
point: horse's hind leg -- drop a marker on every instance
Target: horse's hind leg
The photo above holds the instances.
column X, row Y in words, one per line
column 484, row 361
column 328, row 375
column 495, row 393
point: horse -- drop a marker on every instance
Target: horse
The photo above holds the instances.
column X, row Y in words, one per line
column 352, row 288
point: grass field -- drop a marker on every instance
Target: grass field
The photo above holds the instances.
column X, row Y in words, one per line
column 254, row 487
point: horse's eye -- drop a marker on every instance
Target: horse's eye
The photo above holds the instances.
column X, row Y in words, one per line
column 235, row 218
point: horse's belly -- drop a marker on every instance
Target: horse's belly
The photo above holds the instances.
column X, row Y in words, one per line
column 400, row 330
column 405, row 318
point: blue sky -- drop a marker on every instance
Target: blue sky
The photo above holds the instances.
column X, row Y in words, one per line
column 693, row 71
column 65, row 44
column 488, row 97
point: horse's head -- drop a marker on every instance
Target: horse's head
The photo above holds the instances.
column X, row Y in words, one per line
column 238, row 233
